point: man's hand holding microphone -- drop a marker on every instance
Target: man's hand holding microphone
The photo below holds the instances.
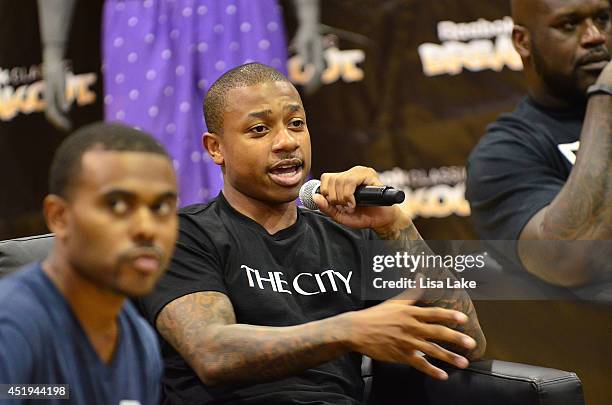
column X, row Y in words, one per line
column 396, row 330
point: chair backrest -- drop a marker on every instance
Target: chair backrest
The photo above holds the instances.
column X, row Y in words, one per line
column 15, row 253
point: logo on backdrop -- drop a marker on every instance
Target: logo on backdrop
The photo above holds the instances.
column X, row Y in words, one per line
column 435, row 193
column 340, row 64
column 22, row 87
column 302, row 284
column 475, row 46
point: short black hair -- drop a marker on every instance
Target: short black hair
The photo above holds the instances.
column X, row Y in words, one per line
column 66, row 164
column 249, row 74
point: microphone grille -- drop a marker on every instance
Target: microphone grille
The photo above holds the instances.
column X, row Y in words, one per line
column 307, row 190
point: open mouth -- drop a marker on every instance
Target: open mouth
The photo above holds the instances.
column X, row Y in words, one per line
column 287, row 173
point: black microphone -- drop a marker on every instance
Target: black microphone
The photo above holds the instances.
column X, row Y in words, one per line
column 364, row 195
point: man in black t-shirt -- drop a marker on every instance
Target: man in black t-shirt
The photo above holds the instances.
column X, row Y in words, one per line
column 526, row 181
column 262, row 301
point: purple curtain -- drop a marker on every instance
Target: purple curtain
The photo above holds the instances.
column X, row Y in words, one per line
column 160, row 57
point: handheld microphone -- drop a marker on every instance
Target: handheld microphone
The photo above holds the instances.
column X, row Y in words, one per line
column 364, row 195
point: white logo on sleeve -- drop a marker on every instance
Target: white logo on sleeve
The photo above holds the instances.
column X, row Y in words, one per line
column 129, row 402
column 328, row 280
column 569, row 150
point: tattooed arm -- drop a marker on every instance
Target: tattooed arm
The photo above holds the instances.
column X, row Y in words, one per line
column 336, row 199
column 581, row 211
column 457, row 299
column 202, row 328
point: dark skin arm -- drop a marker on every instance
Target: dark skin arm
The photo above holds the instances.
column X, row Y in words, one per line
column 394, row 224
column 581, row 211
column 201, row 327
column 455, row 299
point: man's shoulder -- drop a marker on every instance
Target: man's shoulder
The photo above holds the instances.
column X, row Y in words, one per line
column 200, row 210
column 22, row 293
column 512, row 134
column 207, row 226
column 514, row 124
column 25, row 305
column 203, row 218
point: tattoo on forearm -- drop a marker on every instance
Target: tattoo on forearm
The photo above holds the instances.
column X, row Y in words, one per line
column 457, row 299
column 203, row 330
column 182, row 322
column 258, row 354
column 583, row 208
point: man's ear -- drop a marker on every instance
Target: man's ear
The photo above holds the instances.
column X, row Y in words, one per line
column 212, row 144
column 55, row 209
column 521, row 39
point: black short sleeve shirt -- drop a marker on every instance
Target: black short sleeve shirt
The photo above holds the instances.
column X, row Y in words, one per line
column 306, row 272
column 519, row 167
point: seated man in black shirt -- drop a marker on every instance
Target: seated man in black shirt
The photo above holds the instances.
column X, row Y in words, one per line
column 526, row 181
column 261, row 302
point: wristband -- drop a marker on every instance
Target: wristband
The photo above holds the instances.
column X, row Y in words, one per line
column 599, row 89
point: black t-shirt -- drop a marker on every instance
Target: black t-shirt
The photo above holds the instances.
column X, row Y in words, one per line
column 306, row 272
column 519, row 167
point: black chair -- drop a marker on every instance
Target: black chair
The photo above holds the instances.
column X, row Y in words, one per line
column 485, row 382
column 491, row 382
column 15, row 253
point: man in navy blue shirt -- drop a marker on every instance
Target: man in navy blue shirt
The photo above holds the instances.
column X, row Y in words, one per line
column 112, row 208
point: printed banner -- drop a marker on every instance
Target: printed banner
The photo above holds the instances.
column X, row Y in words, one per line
column 27, row 139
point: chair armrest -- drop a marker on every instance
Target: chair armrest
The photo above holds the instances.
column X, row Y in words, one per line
column 15, row 253
column 484, row 382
